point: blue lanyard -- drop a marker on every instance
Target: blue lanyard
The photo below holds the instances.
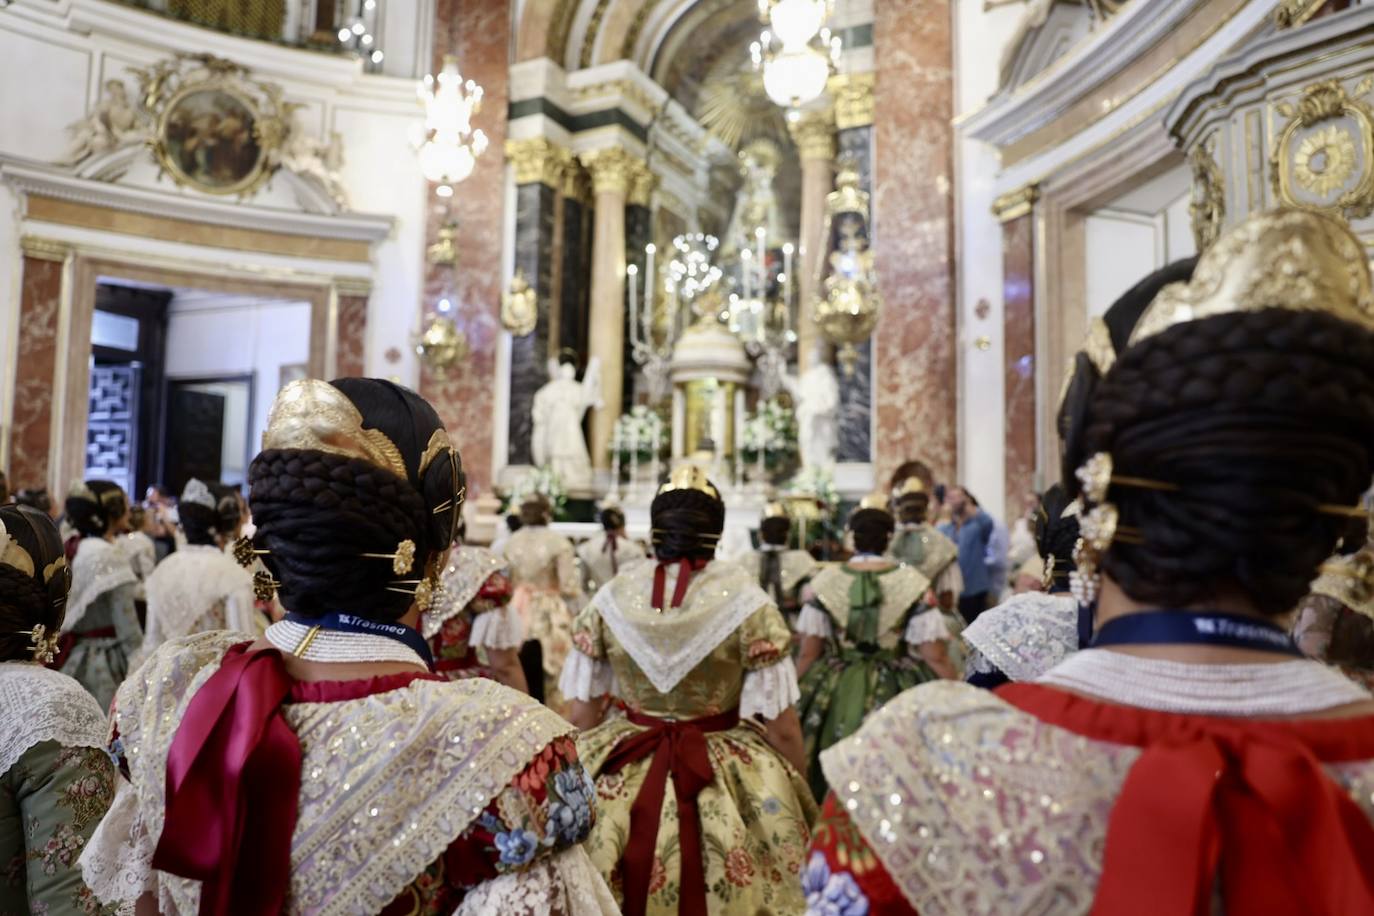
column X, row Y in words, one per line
column 350, row 623
column 1211, row 628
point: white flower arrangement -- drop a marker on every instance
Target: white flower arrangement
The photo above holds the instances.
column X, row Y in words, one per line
column 636, row 432
column 543, row 481
column 773, row 429
column 817, row 481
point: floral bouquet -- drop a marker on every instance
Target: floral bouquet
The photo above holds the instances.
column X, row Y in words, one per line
column 817, row 481
column 772, row 430
column 543, row 481
column 636, row 433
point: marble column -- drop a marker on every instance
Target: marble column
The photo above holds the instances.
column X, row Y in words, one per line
column 612, row 172
column 915, row 401
column 574, row 269
column 351, row 336
column 40, row 298
column 478, row 32
column 853, row 94
column 538, row 165
column 1018, row 315
column 814, row 135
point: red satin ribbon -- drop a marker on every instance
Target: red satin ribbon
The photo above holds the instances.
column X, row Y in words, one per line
column 233, row 777
column 610, row 545
column 678, row 750
column 685, row 569
column 1240, row 807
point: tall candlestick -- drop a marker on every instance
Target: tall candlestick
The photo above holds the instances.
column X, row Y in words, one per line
column 787, row 287
column 763, row 263
column 632, row 282
column 650, row 280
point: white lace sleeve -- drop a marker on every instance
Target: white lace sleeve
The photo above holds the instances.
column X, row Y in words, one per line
column 584, row 677
column 769, row 692
column 564, row 884
column 814, row 622
column 499, row 628
column 950, row 580
column 927, row 626
column 117, row 863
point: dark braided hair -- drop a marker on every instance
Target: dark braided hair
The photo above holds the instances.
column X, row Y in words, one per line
column 316, row 512
column 1056, row 533
column 913, row 508
column 776, row 531
column 612, row 519
column 95, row 506
column 686, row 525
column 872, row 529
column 1258, row 418
column 203, row 525
column 31, row 598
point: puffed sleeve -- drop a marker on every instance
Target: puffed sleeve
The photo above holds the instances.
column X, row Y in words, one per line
column 814, row 622
column 842, row 874
column 926, row 626
column 586, row 672
column 495, row 623
column 770, row 684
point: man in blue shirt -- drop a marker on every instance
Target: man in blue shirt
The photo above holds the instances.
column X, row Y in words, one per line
column 971, row 529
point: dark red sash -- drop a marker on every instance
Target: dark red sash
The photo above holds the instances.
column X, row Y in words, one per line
column 1238, row 805
column 685, row 569
column 678, row 750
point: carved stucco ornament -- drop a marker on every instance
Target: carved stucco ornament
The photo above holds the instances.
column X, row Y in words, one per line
column 1323, row 157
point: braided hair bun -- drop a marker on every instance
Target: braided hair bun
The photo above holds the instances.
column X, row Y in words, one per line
column 612, row 519
column 686, row 524
column 1056, row 532
column 34, row 579
column 776, row 531
column 1258, row 418
column 94, row 507
column 205, row 525
column 318, row 510
column 872, row 530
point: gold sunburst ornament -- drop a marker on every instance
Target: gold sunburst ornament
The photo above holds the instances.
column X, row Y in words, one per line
column 1325, row 160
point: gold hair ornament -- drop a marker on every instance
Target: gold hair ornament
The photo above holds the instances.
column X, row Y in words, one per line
column 775, row 510
column 245, row 553
column 42, row 644
column 264, row 586
column 910, row 487
column 690, row 477
column 425, row 591
column 1349, row 580
column 402, row 561
column 876, row 500
column 312, row 415
column 12, row 554
column 1288, row 258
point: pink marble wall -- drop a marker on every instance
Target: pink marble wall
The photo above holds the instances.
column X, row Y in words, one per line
column 30, row 437
column 352, row 336
column 478, row 32
column 914, row 378
column 1018, row 308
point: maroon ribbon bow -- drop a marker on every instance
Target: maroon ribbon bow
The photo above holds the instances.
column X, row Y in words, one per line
column 233, row 746
column 685, row 569
column 679, row 750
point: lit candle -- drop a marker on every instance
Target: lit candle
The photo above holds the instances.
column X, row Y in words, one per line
column 759, row 234
column 787, row 287
column 649, row 280
column 633, row 272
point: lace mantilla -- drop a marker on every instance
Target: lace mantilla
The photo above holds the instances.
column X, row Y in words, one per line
column 902, row 587
column 1280, row 689
column 388, row 781
column 462, row 579
column 667, row 646
column 99, row 567
column 564, row 884
column 39, row 704
column 187, row 587
column 1026, row 635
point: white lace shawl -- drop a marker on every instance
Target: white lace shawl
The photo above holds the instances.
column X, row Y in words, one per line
column 99, row 567
column 563, row 884
column 457, row 745
column 462, row 579
column 1024, row 636
column 190, row 584
column 38, row 704
column 667, row 646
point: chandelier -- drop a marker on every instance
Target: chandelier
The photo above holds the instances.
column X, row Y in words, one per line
column 449, row 146
column 796, row 52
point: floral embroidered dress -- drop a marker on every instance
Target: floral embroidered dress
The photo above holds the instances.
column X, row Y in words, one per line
column 700, row 673
column 543, row 569
column 101, row 631
column 199, row 588
column 1036, row 799
column 473, row 611
column 872, row 623
column 416, row 795
column 56, row 785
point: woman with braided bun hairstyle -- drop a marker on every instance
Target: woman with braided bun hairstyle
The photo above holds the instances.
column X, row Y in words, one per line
column 56, row 781
column 694, row 657
column 780, row 571
column 869, row 631
column 200, row 587
column 1190, row 760
column 101, row 630
column 326, row 768
column 605, row 554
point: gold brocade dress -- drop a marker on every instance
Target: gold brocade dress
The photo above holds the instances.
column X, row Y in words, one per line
column 725, row 648
column 547, row 591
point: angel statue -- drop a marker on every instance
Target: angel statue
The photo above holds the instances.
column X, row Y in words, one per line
column 558, row 409
column 114, row 122
column 817, row 398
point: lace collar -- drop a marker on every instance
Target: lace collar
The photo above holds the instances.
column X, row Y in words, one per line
column 98, row 568
column 462, row 580
column 1026, row 635
column 38, row 704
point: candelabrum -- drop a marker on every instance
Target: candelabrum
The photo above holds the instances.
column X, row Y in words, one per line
column 656, row 326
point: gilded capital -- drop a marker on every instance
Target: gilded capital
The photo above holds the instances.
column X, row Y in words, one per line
column 613, row 169
column 642, row 184
column 814, row 135
column 538, row 159
column 853, row 95
column 1016, row 204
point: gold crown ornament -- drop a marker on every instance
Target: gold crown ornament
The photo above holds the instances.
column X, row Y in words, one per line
column 912, row 486
column 690, row 477
column 312, row 415
column 775, row 510
column 876, row 500
column 1289, row 259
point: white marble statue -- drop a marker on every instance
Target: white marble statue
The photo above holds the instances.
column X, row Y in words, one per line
column 114, row 122
column 817, row 398
column 559, row 406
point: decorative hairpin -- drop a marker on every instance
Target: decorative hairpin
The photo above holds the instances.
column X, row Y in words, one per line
column 1097, row 475
column 1100, row 526
column 1047, row 580
column 42, row 643
column 425, row 590
column 264, row 586
column 245, row 553
column 402, row 561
